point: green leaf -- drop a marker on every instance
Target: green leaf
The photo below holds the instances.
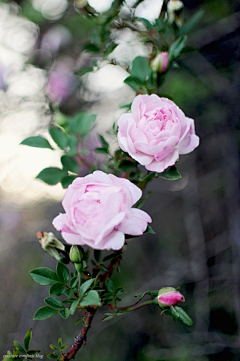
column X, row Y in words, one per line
column 65, row 313
column 52, row 356
column 74, row 306
column 53, row 347
column 33, row 352
column 171, row 174
column 192, row 22
column 62, row 273
column 140, row 68
column 183, row 316
column 51, row 175
column 97, row 255
column 101, row 150
column 54, row 302
column 126, row 165
column 109, row 285
column 69, row 163
column 105, row 144
column 73, row 282
column 60, row 342
column 27, row 339
column 133, row 82
column 44, row 276
column 83, row 71
column 66, row 181
column 37, row 142
column 44, row 312
column 57, row 289
column 92, row 48
column 59, row 137
column 72, row 143
column 85, row 286
column 120, row 290
column 112, row 256
column 81, row 123
column 177, row 47
column 69, row 293
column 19, row 346
column 91, row 299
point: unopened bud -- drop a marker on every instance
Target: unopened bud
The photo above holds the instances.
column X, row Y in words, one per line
column 76, row 254
column 160, row 63
column 50, row 244
column 175, row 12
column 169, row 296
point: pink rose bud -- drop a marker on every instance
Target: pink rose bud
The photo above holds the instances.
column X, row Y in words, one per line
column 160, row 62
column 168, row 296
column 156, row 132
column 99, row 212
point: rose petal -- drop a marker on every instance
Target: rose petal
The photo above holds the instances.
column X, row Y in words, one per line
column 136, row 224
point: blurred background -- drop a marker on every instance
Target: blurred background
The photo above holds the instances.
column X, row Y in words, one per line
column 196, row 219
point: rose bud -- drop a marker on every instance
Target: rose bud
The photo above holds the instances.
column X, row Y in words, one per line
column 76, row 254
column 168, row 296
column 49, row 243
column 160, row 63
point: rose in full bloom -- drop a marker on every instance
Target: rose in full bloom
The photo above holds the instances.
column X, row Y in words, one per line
column 169, row 296
column 155, row 132
column 99, row 212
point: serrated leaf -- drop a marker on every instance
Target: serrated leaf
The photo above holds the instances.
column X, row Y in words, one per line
column 57, row 289
column 133, row 82
column 140, row 68
column 85, row 286
column 44, row 276
column 100, row 150
column 37, row 142
column 126, row 165
column 51, row 175
column 69, row 293
column 74, row 306
column 33, row 352
column 65, row 313
column 54, row 302
column 90, row 299
column 105, row 144
column 44, row 312
column 27, row 339
column 69, row 163
column 62, row 273
column 170, row 174
column 109, row 285
column 19, row 346
column 52, row 356
column 177, row 47
column 81, row 123
column 73, row 282
column 59, row 137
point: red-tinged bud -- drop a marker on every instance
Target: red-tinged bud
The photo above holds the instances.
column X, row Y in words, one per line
column 160, row 63
column 169, row 296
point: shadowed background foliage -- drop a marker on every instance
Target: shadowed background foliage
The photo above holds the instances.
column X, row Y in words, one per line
column 196, row 219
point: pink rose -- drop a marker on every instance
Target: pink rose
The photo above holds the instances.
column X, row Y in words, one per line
column 98, row 212
column 156, row 132
column 168, row 296
column 160, row 62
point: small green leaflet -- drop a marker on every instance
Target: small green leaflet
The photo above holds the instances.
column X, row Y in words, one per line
column 44, row 312
column 37, row 142
column 44, row 276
